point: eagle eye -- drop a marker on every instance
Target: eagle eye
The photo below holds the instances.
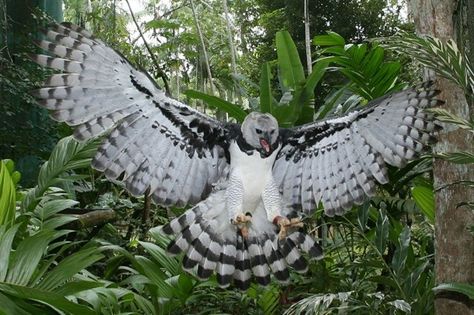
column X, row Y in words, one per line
column 258, row 131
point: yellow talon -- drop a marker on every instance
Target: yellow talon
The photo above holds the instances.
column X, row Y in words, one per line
column 285, row 224
column 241, row 220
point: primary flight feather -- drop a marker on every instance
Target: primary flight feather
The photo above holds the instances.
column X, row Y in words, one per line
column 249, row 183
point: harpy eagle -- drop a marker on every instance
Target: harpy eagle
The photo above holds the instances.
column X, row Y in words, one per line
column 249, row 183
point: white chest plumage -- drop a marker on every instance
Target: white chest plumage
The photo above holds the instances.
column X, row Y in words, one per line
column 253, row 171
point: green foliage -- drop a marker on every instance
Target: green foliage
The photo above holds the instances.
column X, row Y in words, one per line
column 442, row 57
column 379, row 257
column 354, row 20
column 42, row 267
column 369, row 75
column 68, row 155
column 297, row 90
column 463, row 288
column 8, row 180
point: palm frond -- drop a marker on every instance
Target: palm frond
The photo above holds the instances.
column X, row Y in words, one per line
column 443, row 57
column 67, row 155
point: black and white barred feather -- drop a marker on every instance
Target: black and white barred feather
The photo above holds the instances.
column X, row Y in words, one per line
column 210, row 243
column 153, row 142
column 338, row 161
column 158, row 144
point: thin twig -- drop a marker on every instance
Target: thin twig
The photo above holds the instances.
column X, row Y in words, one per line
column 203, row 46
column 161, row 73
column 172, row 10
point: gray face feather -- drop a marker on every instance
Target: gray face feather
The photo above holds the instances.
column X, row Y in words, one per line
column 260, row 131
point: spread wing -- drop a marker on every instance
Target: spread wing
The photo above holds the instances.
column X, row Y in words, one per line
column 338, row 161
column 153, row 141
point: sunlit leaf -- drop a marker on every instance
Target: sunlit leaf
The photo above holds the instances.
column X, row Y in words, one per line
column 424, row 198
column 27, row 256
column 289, row 63
column 331, row 39
column 7, row 195
column 6, row 240
column 68, row 267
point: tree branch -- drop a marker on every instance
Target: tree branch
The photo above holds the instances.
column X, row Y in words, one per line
column 161, row 73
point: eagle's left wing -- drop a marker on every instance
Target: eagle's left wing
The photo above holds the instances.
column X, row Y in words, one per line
column 337, row 161
column 154, row 142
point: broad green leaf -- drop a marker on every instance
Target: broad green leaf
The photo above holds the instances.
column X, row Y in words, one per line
column 385, row 79
column 463, row 288
column 49, row 298
column 145, row 305
column 68, row 267
column 162, row 257
column 424, row 198
column 268, row 301
column 381, row 231
column 7, row 195
column 372, row 61
column 266, row 98
column 6, row 239
column 401, row 251
column 306, row 94
column 331, row 39
column 289, row 63
column 58, row 221
column 412, row 280
column 52, row 207
column 15, row 306
column 357, row 53
column 27, row 257
column 160, row 238
column 73, row 287
column 218, row 103
column 157, row 277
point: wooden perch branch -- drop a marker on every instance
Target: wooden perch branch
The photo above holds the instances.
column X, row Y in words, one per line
column 91, row 218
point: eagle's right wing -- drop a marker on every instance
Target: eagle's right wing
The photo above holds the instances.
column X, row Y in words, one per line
column 153, row 142
column 338, row 161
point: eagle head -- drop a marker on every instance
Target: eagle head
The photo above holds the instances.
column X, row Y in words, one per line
column 260, row 131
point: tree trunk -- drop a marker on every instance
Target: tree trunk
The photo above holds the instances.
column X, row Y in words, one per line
column 454, row 245
column 307, row 38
